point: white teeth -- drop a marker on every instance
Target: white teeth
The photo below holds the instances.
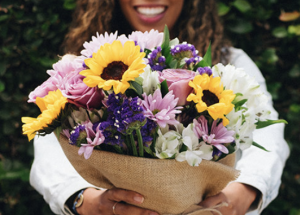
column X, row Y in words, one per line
column 150, row 11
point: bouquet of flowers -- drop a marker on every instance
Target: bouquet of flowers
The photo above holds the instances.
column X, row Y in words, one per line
column 148, row 97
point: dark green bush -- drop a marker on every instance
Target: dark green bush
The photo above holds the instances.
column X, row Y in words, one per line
column 31, row 33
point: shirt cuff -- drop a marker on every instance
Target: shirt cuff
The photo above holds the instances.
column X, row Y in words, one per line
column 259, row 185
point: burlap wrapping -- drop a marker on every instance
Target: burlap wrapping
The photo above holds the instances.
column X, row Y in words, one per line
column 169, row 186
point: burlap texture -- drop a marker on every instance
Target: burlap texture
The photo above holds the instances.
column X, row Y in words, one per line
column 169, row 186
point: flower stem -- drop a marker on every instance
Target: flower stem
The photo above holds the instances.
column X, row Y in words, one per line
column 134, row 151
column 128, row 144
column 140, row 142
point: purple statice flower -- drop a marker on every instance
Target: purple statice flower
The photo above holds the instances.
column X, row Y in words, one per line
column 183, row 50
column 218, row 135
column 131, row 116
column 191, row 62
column 77, row 135
column 147, row 40
column 147, row 130
column 161, row 110
column 109, row 130
column 204, row 70
column 156, row 60
column 124, row 116
column 216, row 153
column 94, row 138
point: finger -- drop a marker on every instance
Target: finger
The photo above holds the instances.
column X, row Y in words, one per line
column 128, row 196
column 125, row 209
column 213, row 200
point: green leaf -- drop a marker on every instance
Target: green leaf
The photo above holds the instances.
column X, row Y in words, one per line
column 295, row 108
column 207, row 56
column 2, row 68
column 280, row 32
column 262, row 124
column 240, row 26
column 139, row 80
column 259, row 146
column 223, row 9
column 206, row 61
column 149, row 151
column 3, row 17
column 173, row 64
column 294, row 29
column 69, row 4
column 295, row 71
column 164, row 88
column 165, row 47
column 147, row 51
column 57, row 131
column 2, row 86
column 136, row 87
column 242, row 5
column 239, row 104
column 270, row 56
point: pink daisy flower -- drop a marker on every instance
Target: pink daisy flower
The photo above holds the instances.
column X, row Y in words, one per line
column 93, row 139
column 161, row 110
column 96, row 42
column 148, row 40
column 218, row 136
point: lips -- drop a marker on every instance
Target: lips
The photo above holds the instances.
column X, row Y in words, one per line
column 150, row 14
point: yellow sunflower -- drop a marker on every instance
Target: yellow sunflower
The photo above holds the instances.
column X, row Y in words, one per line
column 113, row 66
column 50, row 107
column 211, row 96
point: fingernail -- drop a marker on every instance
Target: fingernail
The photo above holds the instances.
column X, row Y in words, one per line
column 138, row 199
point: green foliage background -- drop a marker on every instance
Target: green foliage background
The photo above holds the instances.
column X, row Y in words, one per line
column 31, row 33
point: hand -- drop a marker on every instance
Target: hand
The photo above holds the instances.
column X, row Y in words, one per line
column 98, row 202
column 238, row 196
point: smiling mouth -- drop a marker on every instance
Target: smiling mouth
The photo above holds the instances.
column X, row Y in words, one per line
column 150, row 11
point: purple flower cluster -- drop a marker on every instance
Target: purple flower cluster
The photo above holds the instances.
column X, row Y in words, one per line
column 147, row 130
column 193, row 61
column 183, row 50
column 156, row 60
column 204, row 70
column 76, row 133
column 124, row 116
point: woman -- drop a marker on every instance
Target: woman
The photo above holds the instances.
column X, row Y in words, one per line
column 194, row 21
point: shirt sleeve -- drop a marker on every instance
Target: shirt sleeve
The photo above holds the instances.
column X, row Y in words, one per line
column 52, row 175
column 259, row 168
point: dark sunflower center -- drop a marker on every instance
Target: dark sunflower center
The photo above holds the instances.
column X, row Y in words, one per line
column 114, row 70
column 209, row 98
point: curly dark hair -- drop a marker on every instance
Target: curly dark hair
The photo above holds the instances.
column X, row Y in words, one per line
column 198, row 24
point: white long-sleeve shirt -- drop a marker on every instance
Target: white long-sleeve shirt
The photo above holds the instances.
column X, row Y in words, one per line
column 54, row 177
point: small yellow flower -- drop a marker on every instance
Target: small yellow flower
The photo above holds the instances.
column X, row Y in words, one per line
column 50, row 107
column 114, row 65
column 211, row 96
